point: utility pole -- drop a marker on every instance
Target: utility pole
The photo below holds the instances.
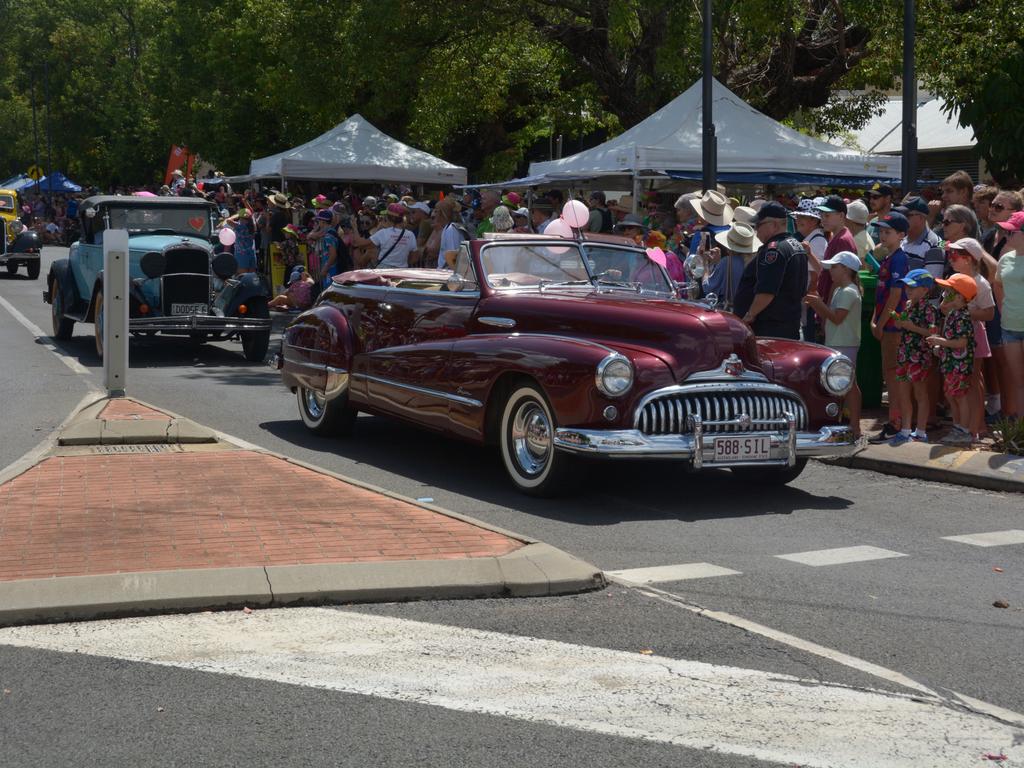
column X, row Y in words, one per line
column 49, row 146
column 709, row 141
column 909, row 168
column 35, row 130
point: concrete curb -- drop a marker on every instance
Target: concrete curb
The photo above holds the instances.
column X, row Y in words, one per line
column 536, row 570
column 941, row 464
column 86, row 428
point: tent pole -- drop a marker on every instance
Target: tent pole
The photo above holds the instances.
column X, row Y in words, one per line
column 636, row 193
column 909, row 170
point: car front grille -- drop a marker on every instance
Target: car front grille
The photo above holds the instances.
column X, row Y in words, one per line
column 190, row 260
column 185, row 289
column 751, row 410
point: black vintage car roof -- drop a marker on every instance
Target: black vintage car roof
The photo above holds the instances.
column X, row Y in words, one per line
column 132, row 201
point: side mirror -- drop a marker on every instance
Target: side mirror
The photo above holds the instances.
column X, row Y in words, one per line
column 456, row 282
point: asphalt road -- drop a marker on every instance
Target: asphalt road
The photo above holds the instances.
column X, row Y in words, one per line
column 923, row 610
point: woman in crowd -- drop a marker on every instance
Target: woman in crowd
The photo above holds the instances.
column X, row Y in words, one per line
column 1009, row 293
column 959, row 221
column 245, row 239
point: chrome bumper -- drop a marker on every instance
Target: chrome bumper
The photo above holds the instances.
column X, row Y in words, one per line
column 199, row 323
column 786, row 446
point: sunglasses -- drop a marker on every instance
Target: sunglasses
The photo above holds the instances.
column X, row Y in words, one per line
column 997, row 206
column 947, row 222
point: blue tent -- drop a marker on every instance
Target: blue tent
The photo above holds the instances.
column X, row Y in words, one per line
column 57, row 182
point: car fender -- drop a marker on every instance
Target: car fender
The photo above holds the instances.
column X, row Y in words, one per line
column 317, row 349
column 60, row 272
column 797, row 365
column 564, row 367
column 250, row 286
column 26, row 242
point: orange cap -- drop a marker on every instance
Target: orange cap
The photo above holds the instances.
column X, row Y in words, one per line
column 962, row 284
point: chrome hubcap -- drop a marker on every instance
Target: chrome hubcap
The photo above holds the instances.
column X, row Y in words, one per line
column 531, row 438
column 315, row 403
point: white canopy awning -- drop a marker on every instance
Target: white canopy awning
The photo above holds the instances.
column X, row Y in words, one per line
column 751, row 147
column 935, row 129
column 357, row 151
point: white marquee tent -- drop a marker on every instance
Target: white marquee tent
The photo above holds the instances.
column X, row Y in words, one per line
column 357, row 151
column 935, row 129
column 752, row 148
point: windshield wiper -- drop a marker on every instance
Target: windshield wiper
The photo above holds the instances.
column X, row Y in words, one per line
column 562, row 283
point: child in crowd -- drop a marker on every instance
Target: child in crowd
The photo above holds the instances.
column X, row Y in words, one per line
column 918, row 321
column 955, row 347
column 889, row 298
column 842, row 320
column 966, row 256
column 299, row 292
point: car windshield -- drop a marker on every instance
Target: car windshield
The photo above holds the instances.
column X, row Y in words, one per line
column 6, row 203
column 547, row 266
column 180, row 221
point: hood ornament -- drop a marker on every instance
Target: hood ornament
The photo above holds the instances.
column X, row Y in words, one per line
column 733, row 366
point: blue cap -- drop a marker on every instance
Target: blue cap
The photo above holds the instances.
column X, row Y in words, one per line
column 919, row 278
column 916, row 205
column 894, row 220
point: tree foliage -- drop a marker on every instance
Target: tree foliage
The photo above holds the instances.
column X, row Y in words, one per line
column 487, row 85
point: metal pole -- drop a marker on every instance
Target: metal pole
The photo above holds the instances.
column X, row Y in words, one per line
column 49, row 145
column 709, row 142
column 909, row 169
column 35, row 130
column 115, row 311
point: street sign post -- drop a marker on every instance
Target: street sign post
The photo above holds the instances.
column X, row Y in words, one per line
column 115, row 311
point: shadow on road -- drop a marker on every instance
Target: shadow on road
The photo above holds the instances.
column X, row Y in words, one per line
column 176, row 352
column 611, row 493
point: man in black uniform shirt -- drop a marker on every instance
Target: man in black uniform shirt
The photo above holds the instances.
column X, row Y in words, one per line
column 770, row 295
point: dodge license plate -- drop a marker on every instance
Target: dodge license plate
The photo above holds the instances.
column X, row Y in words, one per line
column 188, row 309
column 742, row 448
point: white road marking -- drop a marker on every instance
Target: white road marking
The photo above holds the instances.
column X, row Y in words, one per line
column 660, row 573
column 690, row 704
column 841, row 555
column 990, row 539
column 44, row 339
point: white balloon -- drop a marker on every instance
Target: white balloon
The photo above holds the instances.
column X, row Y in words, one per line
column 226, row 236
column 558, row 228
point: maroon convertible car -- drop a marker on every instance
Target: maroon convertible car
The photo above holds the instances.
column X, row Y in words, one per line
column 555, row 350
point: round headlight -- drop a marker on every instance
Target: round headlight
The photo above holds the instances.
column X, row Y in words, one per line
column 837, row 375
column 614, row 375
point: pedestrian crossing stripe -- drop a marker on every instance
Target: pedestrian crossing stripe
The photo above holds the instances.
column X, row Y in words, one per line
column 762, row 715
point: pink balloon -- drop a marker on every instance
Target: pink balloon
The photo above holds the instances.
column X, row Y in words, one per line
column 226, row 236
column 576, row 214
column 558, row 228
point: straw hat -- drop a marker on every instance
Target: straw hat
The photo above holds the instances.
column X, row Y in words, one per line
column 714, row 208
column 744, row 214
column 739, row 238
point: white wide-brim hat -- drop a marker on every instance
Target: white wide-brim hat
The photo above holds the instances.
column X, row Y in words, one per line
column 714, row 208
column 739, row 238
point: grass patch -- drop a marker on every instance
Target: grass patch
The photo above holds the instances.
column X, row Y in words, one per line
column 1009, row 434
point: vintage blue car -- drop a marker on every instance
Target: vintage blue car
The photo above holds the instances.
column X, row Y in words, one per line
column 178, row 285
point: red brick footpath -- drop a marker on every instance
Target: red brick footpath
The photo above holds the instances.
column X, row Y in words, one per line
column 136, row 510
